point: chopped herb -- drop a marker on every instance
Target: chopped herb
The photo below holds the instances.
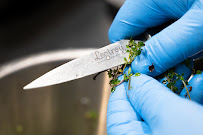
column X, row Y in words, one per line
column 171, row 78
column 137, row 74
column 198, row 72
column 134, row 49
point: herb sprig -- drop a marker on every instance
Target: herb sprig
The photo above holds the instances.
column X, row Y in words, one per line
column 134, row 49
column 171, row 77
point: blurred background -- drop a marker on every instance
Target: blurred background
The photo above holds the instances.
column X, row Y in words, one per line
column 34, row 26
column 37, row 36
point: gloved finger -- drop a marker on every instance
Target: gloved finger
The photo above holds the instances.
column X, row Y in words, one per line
column 134, row 17
column 195, row 86
column 184, row 69
column 121, row 117
column 163, row 110
column 172, row 45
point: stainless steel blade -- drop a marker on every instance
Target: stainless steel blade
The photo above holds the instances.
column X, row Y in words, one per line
column 102, row 59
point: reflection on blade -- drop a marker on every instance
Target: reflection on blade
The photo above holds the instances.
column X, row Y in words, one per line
column 97, row 61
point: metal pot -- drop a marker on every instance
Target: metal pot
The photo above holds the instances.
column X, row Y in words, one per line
column 74, row 108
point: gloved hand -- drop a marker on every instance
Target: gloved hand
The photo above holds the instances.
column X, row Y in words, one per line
column 172, row 45
column 151, row 108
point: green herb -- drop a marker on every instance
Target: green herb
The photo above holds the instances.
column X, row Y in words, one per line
column 93, row 115
column 137, row 74
column 134, row 49
column 113, row 73
column 171, row 78
column 198, row 72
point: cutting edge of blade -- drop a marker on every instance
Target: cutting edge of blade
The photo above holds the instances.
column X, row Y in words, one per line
column 34, row 84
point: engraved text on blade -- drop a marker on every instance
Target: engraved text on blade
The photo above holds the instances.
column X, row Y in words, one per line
column 109, row 53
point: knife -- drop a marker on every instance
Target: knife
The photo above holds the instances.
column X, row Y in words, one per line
column 102, row 59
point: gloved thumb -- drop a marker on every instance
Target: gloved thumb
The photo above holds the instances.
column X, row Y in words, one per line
column 174, row 44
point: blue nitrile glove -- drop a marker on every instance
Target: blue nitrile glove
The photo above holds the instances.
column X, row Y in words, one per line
column 152, row 108
column 172, row 45
column 162, row 111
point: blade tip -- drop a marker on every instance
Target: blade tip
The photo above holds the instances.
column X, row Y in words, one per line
column 27, row 87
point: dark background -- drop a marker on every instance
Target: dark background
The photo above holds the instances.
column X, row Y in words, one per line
column 32, row 27
column 28, row 27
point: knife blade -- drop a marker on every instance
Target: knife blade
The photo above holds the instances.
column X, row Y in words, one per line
column 102, row 59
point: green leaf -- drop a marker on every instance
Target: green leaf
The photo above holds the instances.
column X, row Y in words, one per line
column 113, row 89
column 131, row 74
column 112, row 82
column 178, row 75
column 117, row 81
column 110, row 71
column 138, row 52
column 169, row 85
column 134, row 49
column 125, row 77
column 175, row 89
column 131, row 42
column 181, row 78
column 129, row 70
column 141, row 44
column 125, row 59
column 199, row 72
column 137, row 74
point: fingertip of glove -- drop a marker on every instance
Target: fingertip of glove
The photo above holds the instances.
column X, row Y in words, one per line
column 195, row 87
column 144, row 64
